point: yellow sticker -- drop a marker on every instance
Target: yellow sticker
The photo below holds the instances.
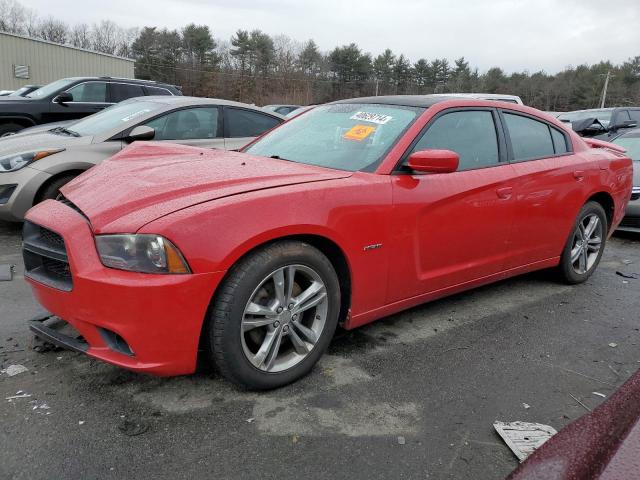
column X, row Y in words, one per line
column 359, row 132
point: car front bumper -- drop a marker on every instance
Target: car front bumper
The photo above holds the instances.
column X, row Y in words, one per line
column 18, row 190
column 158, row 317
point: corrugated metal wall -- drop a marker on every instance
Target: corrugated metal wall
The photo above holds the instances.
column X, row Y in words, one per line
column 48, row 62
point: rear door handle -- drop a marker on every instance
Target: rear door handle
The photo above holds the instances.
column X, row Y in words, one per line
column 578, row 175
column 504, row 192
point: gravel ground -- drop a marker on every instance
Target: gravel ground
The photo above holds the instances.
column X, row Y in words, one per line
column 411, row 396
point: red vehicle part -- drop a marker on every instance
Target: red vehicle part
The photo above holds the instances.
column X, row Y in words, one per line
column 602, row 444
column 395, row 240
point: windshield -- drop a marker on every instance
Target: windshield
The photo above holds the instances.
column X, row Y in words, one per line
column 50, row 88
column 632, row 144
column 603, row 116
column 120, row 114
column 345, row 136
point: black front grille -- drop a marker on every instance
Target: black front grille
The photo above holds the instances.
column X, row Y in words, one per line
column 45, row 257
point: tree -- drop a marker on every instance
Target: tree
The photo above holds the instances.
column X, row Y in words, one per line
column 198, row 45
column 80, row 36
column 310, row 58
column 104, row 35
column 12, row 16
column 383, row 66
column 53, row 30
column 401, row 73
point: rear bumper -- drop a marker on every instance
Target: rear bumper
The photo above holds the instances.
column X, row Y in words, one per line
column 631, row 220
column 159, row 317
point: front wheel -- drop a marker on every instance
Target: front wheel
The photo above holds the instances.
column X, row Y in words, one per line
column 585, row 245
column 274, row 315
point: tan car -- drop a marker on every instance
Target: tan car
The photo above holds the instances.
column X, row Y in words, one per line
column 34, row 166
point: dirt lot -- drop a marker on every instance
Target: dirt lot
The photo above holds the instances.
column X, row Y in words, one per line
column 437, row 376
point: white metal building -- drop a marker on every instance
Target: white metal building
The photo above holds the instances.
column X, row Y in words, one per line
column 25, row 60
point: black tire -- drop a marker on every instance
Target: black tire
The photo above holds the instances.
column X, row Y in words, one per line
column 566, row 270
column 9, row 128
column 52, row 189
column 224, row 328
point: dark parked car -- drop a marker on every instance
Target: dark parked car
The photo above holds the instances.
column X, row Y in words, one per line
column 602, row 123
column 72, row 98
column 24, row 90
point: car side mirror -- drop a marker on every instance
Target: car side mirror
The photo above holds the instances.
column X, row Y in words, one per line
column 434, row 161
column 63, row 97
column 141, row 132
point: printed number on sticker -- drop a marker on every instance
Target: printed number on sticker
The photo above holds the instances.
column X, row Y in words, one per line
column 378, row 118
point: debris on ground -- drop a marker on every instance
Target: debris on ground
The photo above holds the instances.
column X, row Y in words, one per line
column 250, row 420
column 19, row 394
column 599, row 394
column 401, row 441
column 526, row 406
column 132, row 428
column 633, row 276
column 613, row 345
column 579, row 402
column 524, row 438
column 13, row 370
column 6, row 273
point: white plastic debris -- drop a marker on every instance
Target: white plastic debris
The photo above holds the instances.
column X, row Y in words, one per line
column 80, row 422
column 13, row 370
column 613, row 345
column 599, row 394
column 250, row 420
column 401, row 441
column 21, row 395
column 526, row 406
column 524, row 438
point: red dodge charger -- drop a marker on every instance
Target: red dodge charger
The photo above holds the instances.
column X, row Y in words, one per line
column 349, row 212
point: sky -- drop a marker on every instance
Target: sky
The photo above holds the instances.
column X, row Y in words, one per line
column 516, row 35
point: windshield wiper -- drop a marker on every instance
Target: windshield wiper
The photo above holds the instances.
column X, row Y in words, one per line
column 278, row 157
column 65, row 131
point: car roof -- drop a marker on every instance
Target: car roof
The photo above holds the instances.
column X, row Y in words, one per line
column 122, row 79
column 424, row 101
column 179, row 101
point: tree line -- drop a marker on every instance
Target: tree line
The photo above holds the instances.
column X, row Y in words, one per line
column 255, row 67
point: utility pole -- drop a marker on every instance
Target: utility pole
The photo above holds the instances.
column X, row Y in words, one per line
column 604, row 90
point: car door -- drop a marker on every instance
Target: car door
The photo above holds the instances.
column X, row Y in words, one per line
column 88, row 97
column 550, row 187
column 195, row 126
column 453, row 228
column 242, row 125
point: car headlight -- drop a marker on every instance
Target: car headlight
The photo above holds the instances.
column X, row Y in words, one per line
column 140, row 253
column 16, row 161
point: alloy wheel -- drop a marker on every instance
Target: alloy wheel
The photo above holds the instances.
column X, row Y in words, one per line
column 587, row 241
column 284, row 318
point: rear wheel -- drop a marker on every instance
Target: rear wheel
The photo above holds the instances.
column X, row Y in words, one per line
column 52, row 189
column 585, row 245
column 7, row 129
column 274, row 315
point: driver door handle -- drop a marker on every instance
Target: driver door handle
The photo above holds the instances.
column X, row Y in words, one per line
column 504, row 193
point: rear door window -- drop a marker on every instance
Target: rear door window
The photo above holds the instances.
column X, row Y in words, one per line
column 246, row 123
column 157, row 91
column 530, row 139
column 469, row 133
column 559, row 141
column 123, row 91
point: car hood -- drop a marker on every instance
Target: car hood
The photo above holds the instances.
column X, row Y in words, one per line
column 38, row 141
column 148, row 180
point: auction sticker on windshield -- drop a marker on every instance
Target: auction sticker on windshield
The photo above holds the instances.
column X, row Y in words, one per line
column 133, row 115
column 378, row 118
column 359, row 132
